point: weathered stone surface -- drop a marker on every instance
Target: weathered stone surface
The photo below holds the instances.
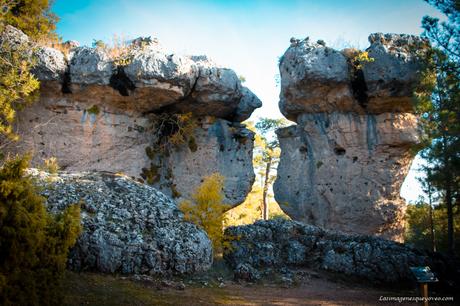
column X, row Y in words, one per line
column 248, row 103
column 391, row 77
column 13, row 36
column 246, row 272
column 344, row 171
column 128, row 227
column 95, row 115
column 220, row 146
column 51, row 64
column 280, row 243
column 314, row 78
column 85, row 139
column 90, row 66
column 343, row 165
column 173, row 75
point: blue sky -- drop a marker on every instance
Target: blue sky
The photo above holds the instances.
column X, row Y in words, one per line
column 247, row 36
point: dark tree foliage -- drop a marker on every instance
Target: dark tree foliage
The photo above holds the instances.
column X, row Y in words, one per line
column 438, row 105
column 33, row 243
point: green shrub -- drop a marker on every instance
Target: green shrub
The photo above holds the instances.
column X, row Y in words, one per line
column 34, row 244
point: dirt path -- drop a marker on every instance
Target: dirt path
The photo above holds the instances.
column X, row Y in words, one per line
column 96, row 289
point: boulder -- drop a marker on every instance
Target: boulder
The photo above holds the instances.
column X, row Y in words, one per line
column 316, row 78
column 128, row 227
column 89, row 66
column 51, row 64
column 277, row 244
column 391, row 77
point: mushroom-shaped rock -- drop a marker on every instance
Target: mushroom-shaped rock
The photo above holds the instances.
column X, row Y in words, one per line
column 315, row 78
column 99, row 113
column 342, row 166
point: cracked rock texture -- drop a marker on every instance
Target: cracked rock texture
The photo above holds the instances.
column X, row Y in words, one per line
column 95, row 115
column 128, row 227
column 343, row 164
column 279, row 243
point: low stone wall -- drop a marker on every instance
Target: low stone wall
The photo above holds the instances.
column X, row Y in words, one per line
column 283, row 243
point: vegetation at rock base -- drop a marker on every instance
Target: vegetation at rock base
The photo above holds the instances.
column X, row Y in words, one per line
column 34, row 244
column 438, row 105
column 206, row 209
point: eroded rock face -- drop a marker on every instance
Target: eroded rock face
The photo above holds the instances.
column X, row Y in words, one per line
column 344, row 162
column 281, row 243
column 94, row 114
column 218, row 146
column 128, row 227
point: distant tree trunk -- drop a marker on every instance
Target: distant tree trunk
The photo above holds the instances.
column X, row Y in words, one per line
column 450, row 220
column 433, row 238
column 265, row 210
column 448, row 198
column 430, row 203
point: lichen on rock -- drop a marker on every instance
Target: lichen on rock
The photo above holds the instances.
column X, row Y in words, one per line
column 276, row 244
column 128, row 227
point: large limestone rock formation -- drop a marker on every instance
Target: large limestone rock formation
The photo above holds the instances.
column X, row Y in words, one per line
column 97, row 112
column 128, row 227
column 343, row 164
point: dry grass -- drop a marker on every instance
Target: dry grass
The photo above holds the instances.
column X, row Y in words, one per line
column 55, row 44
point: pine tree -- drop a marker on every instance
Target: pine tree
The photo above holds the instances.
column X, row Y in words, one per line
column 33, row 243
column 268, row 155
column 439, row 107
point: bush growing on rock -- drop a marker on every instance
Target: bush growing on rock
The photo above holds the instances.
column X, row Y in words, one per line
column 206, row 209
column 34, row 244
